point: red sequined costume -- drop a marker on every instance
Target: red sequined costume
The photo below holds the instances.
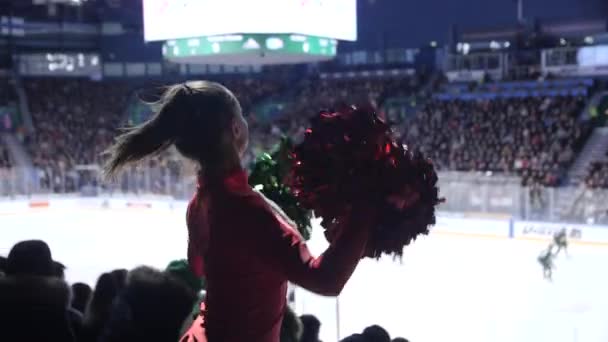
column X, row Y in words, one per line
column 248, row 252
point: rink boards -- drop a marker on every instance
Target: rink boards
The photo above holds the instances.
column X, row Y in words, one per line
column 21, row 206
column 506, row 228
column 465, row 225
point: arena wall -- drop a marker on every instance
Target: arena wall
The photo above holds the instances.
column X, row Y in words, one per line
column 463, row 224
column 24, row 206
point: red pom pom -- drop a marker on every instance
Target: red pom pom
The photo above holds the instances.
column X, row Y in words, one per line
column 350, row 154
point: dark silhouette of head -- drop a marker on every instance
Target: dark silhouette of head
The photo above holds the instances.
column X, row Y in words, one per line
column 120, row 278
column 400, row 339
column 181, row 270
column 81, row 294
column 291, row 329
column 311, row 328
column 376, row 333
column 152, row 307
column 33, row 289
column 100, row 305
column 2, row 265
column 30, row 258
column 355, row 338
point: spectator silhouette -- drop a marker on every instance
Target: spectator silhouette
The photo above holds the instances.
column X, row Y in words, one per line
column 376, row 333
column 81, row 294
column 75, row 317
column 30, row 258
column 400, row 339
column 2, row 265
column 181, row 270
column 152, row 307
column 311, row 328
column 355, row 338
column 291, row 329
column 120, row 278
column 33, row 301
column 99, row 308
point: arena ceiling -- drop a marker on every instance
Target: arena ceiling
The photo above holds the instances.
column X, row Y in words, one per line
column 382, row 23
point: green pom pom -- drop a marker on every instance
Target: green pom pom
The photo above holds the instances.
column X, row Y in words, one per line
column 181, row 270
column 267, row 175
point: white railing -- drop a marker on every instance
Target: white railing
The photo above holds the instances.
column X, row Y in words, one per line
column 88, row 181
column 465, row 192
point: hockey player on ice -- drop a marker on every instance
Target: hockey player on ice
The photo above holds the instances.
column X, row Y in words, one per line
column 546, row 261
column 560, row 240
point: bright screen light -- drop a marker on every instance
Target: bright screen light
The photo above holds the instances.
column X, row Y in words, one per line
column 174, row 19
column 593, row 56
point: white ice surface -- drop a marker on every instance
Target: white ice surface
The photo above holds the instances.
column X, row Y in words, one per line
column 90, row 242
column 458, row 288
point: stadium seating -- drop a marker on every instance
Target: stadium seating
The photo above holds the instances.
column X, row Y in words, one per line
column 75, row 121
column 598, row 175
column 535, row 137
column 528, row 128
column 517, row 89
column 7, row 93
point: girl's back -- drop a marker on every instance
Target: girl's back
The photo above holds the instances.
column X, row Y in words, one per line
column 246, row 295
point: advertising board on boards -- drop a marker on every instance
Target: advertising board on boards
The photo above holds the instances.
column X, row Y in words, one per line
column 529, row 230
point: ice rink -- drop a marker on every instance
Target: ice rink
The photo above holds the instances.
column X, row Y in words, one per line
column 459, row 288
column 448, row 287
column 92, row 241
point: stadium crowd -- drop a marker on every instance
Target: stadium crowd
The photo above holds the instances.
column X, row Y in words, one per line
column 535, row 137
column 75, row 121
column 143, row 304
column 598, row 176
column 5, row 159
column 589, row 200
column 6, row 95
column 7, row 91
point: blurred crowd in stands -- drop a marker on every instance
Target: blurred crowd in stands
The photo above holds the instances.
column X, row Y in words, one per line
column 143, row 304
column 74, row 120
column 590, row 202
column 6, row 95
column 7, row 91
column 535, row 137
column 5, row 158
column 598, row 175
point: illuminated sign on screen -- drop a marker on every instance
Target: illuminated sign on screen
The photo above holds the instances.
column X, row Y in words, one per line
column 176, row 19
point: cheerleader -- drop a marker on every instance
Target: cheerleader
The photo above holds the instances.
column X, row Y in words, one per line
column 243, row 245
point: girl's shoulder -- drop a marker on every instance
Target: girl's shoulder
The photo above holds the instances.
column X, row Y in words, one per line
column 253, row 202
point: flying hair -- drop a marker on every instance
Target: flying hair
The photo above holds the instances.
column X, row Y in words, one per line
column 193, row 116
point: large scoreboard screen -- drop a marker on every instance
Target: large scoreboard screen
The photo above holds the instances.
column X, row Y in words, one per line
column 176, row 19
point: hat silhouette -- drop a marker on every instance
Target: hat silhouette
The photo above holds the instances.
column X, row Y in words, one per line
column 30, row 257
